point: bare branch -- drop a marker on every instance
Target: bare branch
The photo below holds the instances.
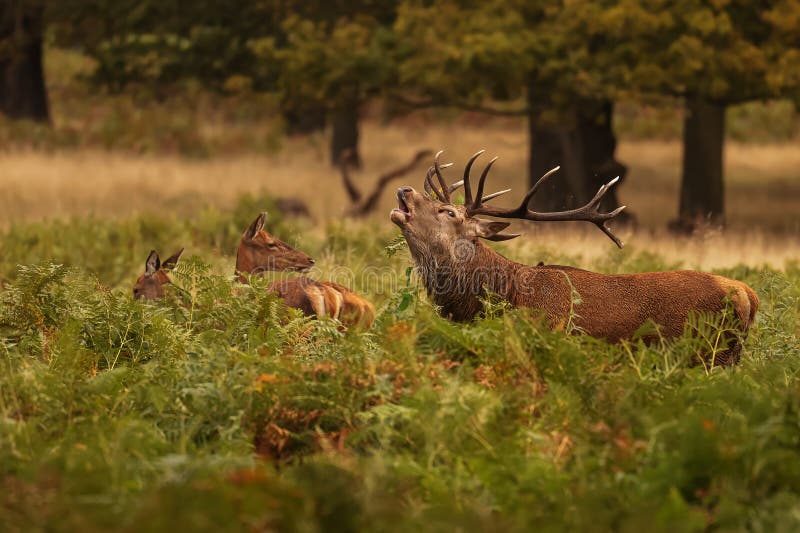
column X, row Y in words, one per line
column 361, row 208
column 345, row 159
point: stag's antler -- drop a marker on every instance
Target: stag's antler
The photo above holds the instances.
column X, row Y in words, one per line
column 444, row 193
column 587, row 213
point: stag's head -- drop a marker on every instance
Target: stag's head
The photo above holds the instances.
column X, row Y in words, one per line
column 150, row 285
column 259, row 251
column 433, row 225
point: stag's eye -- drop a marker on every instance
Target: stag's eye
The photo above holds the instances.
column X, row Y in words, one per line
column 450, row 212
column 272, row 245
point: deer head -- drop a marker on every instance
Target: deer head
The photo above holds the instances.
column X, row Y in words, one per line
column 259, row 251
column 150, row 285
column 435, row 227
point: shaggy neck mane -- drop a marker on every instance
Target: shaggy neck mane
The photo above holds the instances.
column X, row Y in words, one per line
column 458, row 278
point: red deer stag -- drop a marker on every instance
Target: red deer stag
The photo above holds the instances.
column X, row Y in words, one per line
column 260, row 252
column 150, row 285
column 457, row 268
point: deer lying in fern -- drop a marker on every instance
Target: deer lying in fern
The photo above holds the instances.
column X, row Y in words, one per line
column 458, row 269
column 150, row 285
column 260, row 252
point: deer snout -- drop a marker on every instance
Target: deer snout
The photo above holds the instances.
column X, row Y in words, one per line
column 401, row 214
column 309, row 263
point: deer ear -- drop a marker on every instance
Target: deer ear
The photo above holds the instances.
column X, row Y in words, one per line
column 489, row 229
column 153, row 263
column 256, row 226
column 170, row 262
column 503, row 237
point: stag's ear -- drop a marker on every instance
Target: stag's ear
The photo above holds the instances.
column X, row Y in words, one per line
column 255, row 227
column 489, row 229
column 503, row 237
column 153, row 263
column 170, row 263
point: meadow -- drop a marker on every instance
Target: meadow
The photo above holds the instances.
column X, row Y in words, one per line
column 220, row 409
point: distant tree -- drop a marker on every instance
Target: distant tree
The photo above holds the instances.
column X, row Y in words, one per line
column 335, row 59
column 713, row 55
column 22, row 86
column 322, row 58
column 563, row 64
column 512, row 57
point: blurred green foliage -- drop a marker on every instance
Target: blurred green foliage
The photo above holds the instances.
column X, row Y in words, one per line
column 219, row 409
column 158, row 72
column 561, row 53
column 454, row 52
column 197, row 122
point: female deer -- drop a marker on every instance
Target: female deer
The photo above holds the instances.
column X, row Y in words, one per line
column 150, row 285
column 259, row 252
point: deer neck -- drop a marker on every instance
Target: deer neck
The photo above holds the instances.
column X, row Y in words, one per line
column 457, row 279
column 243, row 266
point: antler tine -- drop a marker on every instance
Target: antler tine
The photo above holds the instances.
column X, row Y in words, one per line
column 608, row 232
column 494, row 195
column 467, row 170
column 602, row 191
column 429, row 187
column 455, row 185
column 438, row 170
column 525, row 201
column 479, row 194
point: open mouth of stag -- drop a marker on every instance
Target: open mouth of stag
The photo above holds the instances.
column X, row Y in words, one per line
column 402, row 206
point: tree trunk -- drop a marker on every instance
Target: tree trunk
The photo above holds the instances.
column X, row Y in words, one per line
column 702, row 193
column 344, row 140
column 554, row 145
column 303, row 121
column 22, row 89
column 596, row 128
column 582, row 142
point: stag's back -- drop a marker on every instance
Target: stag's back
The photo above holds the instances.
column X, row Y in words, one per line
column 614, row 306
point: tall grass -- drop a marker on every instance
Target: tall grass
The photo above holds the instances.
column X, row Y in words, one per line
column 219, row 409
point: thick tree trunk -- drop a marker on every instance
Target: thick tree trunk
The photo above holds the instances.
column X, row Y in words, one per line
column 702, row 192
column 303, row 121
column 596, row 128
column 344, row 140
column 583, row 144
column 22, row 89
column 552, row 146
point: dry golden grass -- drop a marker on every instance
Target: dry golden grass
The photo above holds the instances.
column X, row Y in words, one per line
column 763, row 186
